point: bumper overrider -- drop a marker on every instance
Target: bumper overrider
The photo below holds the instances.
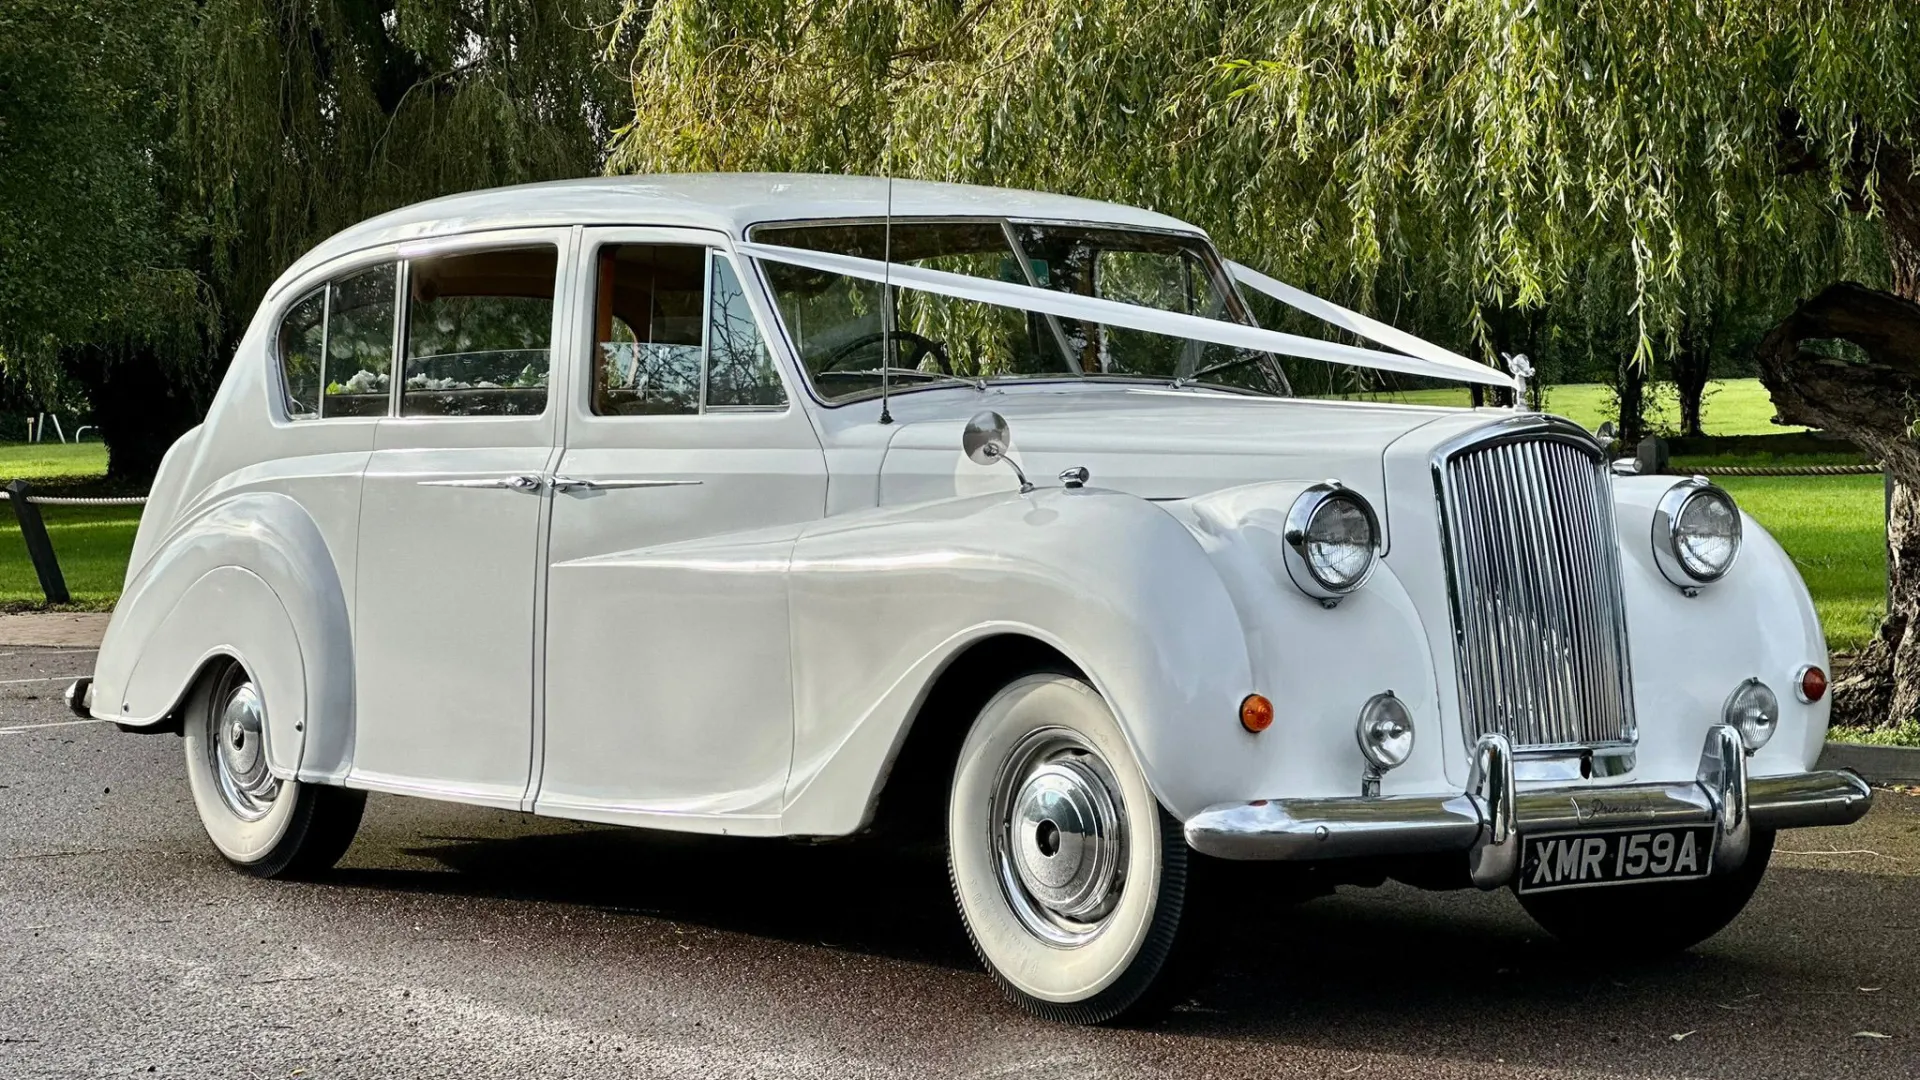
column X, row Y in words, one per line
column 1486, row 822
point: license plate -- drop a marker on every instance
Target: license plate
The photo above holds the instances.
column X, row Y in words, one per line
column 1615, row 857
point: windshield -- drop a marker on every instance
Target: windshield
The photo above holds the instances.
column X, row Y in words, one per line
column 845, row 331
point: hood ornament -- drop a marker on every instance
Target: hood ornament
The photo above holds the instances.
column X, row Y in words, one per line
column 1521, row 369
column 986, row 439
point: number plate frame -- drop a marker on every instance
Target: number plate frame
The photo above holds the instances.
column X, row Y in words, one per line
column 1612, row 862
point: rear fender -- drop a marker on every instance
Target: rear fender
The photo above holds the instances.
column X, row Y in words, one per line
column 251, row 578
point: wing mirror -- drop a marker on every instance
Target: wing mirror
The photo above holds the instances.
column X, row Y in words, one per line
column 986, row 439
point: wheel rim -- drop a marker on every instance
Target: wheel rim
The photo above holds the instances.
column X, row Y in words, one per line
column 1060, row 837
column 236, row 722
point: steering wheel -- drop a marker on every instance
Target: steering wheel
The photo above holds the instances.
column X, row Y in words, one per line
column 923, row 347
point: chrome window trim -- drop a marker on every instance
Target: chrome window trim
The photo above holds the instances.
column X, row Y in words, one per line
column 1216, row 267
column 1609, row 757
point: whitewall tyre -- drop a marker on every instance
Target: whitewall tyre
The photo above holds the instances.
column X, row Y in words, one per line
column 261, row 824
column 1071, row 879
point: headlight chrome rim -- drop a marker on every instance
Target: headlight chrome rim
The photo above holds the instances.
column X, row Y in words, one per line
column 1385, row 731
column 1668, row 536
column 1753, row 710
column 1300, row 521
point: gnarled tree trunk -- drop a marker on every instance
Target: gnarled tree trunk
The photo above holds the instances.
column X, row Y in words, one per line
column 1875, row 405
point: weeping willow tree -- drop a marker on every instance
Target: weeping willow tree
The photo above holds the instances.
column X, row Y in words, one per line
column 162, row 163
column 1478, row 159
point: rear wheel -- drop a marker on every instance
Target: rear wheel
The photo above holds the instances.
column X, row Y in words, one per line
column 1072, row 881
column 1645, row 922
column 260, row 823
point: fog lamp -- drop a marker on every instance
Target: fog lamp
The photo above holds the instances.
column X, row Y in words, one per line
column 1754, row 712
column 1385, row 731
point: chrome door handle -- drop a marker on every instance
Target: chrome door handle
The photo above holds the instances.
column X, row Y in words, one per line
column 518, row 482
column 568, row 483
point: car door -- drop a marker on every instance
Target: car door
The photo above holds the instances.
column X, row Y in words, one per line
column 452, row 520
column 668, row 689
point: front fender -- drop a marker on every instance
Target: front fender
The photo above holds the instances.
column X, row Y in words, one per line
column 1688, row 653
column 882, row 600
column 250, row 577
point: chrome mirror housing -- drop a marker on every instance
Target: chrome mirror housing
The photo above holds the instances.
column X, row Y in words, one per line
column 986, row 439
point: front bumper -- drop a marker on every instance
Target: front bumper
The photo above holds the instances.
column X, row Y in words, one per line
column 1485, row 822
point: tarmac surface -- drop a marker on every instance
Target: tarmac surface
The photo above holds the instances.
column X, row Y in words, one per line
column 457, row 942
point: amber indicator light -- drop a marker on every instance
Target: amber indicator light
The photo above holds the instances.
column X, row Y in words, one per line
column 1256, row 713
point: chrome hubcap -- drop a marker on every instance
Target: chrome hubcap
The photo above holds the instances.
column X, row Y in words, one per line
column 235, row 737
column 1060, row 836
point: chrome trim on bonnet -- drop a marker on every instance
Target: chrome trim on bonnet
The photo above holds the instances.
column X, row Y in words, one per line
column 1486, row 822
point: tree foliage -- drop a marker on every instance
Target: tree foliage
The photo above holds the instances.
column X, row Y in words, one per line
column 161, row 164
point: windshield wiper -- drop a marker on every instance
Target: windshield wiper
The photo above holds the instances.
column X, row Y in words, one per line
column 897, row 372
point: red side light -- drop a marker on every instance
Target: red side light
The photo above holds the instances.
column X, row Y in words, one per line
column 1813, row 684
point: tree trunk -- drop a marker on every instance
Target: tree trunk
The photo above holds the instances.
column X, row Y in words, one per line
column 1630, row 388
column 1690, row 368
column 138, row 405
column 1872, row 404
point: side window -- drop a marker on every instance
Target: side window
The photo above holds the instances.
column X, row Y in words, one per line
column 359, row 351
column 479, row 333
column 739, row 368
column 303, row 339
column 673, row 334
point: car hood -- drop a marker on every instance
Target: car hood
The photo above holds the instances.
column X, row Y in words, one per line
column 1158, row 444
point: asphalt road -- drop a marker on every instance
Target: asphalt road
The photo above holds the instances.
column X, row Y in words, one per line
column 456, row 942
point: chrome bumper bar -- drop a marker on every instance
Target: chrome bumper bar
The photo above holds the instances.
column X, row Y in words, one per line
column 1485, row 821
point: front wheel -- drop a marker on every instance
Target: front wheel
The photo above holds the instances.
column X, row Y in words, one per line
column 1072, row 881
column 260, row 823
column 1646, row 922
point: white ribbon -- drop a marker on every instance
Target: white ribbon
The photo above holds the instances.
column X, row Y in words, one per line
column 1114, row 313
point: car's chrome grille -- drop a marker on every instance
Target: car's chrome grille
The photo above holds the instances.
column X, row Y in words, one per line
column 1539, row 622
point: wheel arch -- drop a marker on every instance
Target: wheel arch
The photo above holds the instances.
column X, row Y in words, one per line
column 910, row 799
column 250, row 578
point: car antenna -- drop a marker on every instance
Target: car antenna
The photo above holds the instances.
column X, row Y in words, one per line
column 886, row 287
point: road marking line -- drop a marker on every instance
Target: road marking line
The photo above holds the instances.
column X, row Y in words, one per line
column 57, row 723
column 48, row 652
column 50, row 678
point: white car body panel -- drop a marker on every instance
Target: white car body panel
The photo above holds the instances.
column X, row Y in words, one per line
column 738, row 631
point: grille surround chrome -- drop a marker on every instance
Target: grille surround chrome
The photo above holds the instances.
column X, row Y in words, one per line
column 1534, row 590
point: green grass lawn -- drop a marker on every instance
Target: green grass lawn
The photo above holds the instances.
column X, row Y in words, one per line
column 1834, row 527
column 92, row 543
column 42, row 461
column 1731, row 406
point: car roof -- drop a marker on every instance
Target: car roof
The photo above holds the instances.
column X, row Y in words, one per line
column 726, row 202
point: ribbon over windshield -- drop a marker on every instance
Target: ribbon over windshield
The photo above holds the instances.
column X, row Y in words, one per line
column 1417, row 357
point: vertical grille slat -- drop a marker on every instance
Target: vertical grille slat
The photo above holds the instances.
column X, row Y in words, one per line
column 1538, row 616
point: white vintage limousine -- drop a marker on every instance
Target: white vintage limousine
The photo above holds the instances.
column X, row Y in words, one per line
column 793, row 506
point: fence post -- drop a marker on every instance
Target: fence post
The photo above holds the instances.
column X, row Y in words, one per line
column 33, row 532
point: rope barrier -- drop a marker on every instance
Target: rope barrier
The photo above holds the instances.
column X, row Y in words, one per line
column 1780, row 470
column 61, row 500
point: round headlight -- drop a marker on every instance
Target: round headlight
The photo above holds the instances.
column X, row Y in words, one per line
column 1754, row 712
column 1332, row 537
column 1696, row 533
column 1385, row 731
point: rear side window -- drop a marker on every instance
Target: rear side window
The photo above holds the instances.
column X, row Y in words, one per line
column 479, row 333
column 674, row 335
column 303, row 341
column 336, row 347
